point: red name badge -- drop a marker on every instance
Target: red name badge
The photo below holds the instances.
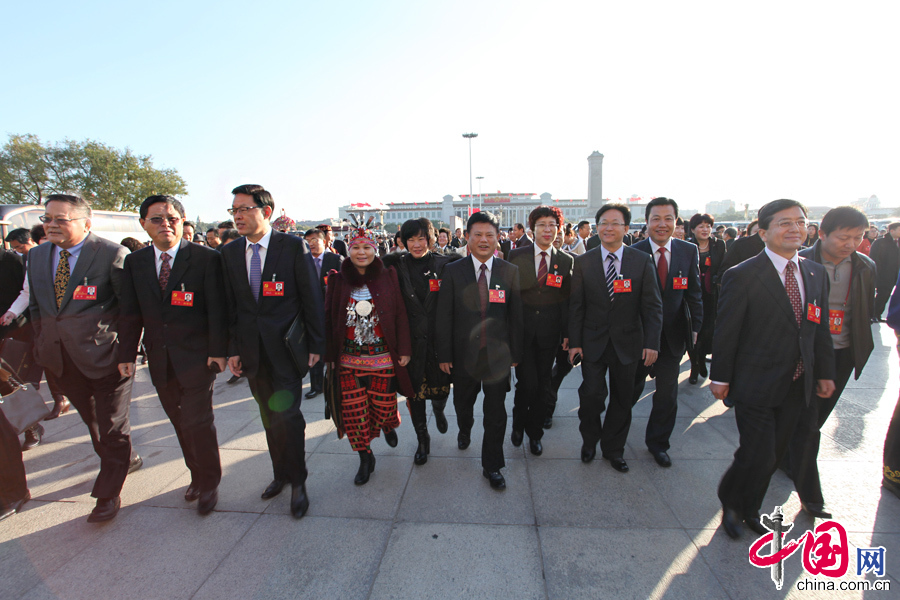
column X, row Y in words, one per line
column 273, row 288
column 620, row 286
column 497, row 296
column 708, row 261
column 554, row 280
column 85, row 292
column 813, row 313
column 325, row 280
column 434, row 285
column 182, row 298
column 679, row 283
column 835, row 321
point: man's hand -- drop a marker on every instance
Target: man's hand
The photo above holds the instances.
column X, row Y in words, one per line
column 719, row 390
column 824, row 388
column 7, row 318
column 234, row 365
column 649, row 356
column 695, row 334
column 313, row 359
column 565, row 344
column 404, row 360
column 219, row 360
column 573, row 352
column 126, row 369
column 445, row 367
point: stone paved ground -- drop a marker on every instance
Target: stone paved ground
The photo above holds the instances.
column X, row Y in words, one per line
column 562, row 529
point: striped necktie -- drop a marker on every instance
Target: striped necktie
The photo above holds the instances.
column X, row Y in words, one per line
column 255, row 271
column 611, row 274
column 542, row 270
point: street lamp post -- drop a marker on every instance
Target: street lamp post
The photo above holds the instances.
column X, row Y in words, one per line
column 469, row 136
column 480, row 201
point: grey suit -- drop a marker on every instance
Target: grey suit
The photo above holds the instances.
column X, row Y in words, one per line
column 78, row 346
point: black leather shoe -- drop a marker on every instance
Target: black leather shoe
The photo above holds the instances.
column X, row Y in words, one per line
column 535, row 447
column 192, row 493
column 233, row 379
column 619, row 464
column 816, row 510
column 440, row 420
column 391, row 438
column 14, row 507
column 516, row 437
column 588, row 453
column 702, row 369
column 33, row 437
column 463, row 440
column 136, row 463
column 207, row 502
column 423, row 449
column 548, row 422
column 662, row 458
column 366, row 466
column 61, row 406
column 299, row 501
column 731, row 522
column 694, row 377
column 496, row 479
column 273, row 490
column 106, row 509
column 312, row 394
column 755, row 525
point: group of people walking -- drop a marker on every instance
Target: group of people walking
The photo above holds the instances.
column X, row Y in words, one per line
column 785, row 330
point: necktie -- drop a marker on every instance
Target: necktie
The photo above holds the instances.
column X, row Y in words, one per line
column 542, row 269
column 164, row 271
column 483, row 295
column 611, row 274
column 662, row 268
column 318, row 266
column 255, row 271
column 793, row 292
column 61, row 282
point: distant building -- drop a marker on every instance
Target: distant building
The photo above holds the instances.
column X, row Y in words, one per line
column 719, row 207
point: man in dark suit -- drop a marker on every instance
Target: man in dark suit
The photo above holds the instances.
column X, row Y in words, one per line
column 75, row 285
column 615, row 322
column 678, row 276
column 886, row 254
column 851, row 298
column 458, row 240
column 175, row 291
column 12, row 277
column 772, row 350
column 325, row 262
column 742, row 249
column 271, row 282
column 545, row 281
column 479, row 337
column 521, row 237
column 332, row 245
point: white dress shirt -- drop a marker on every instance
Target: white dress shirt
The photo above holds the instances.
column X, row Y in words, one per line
column 263, row 246
column 21, row 303
column 656, row 253
column 537, row 258
column 477, row 264
column 780, row 263
column 171, row 252
column 617, row 264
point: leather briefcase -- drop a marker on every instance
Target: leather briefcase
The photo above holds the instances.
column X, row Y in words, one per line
column 23, row 408
column 295, row 341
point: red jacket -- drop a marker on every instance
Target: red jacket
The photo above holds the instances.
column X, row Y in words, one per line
column 389, row 305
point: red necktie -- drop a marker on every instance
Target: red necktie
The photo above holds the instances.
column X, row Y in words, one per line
column 542, row 269
column 164, row 271
column 662, row 268
column 793, row 292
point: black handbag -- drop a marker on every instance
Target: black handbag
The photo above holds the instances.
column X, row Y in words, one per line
column 295, row 341
column 689, row 337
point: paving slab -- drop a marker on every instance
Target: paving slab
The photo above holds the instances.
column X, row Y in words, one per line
column 692, row 438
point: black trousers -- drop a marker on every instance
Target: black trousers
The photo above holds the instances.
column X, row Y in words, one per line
column 465, row 391
column 190, row 410
column 891, row 479
column 417, row 412
column 317, row 376
column 533, row 386
column 561, row 368
column 103, row 405
column 613, row 431
column 803, row 451
column 765, row 432
column 12, row 470
column 278, row 395
column 665, row 398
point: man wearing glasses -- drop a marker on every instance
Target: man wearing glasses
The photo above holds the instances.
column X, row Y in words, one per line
column 771, row 351
column 75, row 284
column 270, row 282
column 615, row 320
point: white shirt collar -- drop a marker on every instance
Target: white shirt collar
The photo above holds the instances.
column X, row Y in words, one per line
column 263, row 242
column 171, row 252
column 781, row 262
column 477, row 263
column 537, row 250
column 618, row 253
column 667, row 246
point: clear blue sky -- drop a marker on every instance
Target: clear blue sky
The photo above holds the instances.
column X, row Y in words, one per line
column 327, row 103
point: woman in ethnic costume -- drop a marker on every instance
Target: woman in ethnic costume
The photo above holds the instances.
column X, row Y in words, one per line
column 419, row 271
column 368, row 342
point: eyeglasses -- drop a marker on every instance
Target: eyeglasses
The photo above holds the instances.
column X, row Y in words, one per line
column 546, row 226
column 241, row 209
column 173, row 221
column 58, row 220
column 788, row 223
column 605, row 224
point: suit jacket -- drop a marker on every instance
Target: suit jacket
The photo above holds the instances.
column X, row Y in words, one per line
column 12, row 276
column 683, row 262
column 742, row 249
column 184, row 336
column 330, row 262
column 545, row 309
column 267, row 321
column 87, row 328
column 459, row 318
column 505, row 248
column 523, row 241
column 886, row 255
column 757, row 342
column 631, row 323
column 716, row 257
column 340, row 246
column 594, row 241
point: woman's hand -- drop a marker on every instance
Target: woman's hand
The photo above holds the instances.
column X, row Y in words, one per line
column 404, row 360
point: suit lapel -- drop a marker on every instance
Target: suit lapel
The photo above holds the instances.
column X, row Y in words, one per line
column 276, row 243
column 85, row 258
column 49, row 277
column 771, row 280
column 810, row 286
column 182, row 262
column 242, row 280
column 145, row 271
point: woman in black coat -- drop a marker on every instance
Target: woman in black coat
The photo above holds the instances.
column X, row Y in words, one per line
column 419, row 270
column 712, row 253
